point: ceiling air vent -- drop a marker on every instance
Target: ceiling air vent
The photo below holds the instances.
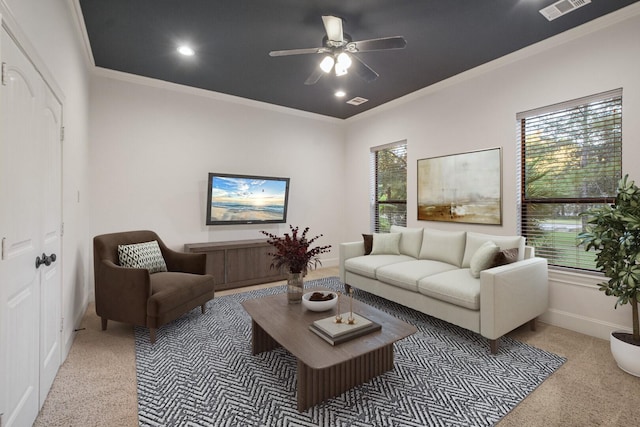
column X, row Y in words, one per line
column 357, row 101
column 562, row 7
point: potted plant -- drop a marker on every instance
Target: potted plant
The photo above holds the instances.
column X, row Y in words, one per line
column 292, row 252
column 614, row 232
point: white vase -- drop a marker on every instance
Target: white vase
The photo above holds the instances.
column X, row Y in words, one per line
column 626, row 355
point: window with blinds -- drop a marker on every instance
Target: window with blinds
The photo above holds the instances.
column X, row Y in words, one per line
column 388, row 186
column 570, row 161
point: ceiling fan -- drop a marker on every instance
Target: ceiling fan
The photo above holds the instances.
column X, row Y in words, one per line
column 338, row 48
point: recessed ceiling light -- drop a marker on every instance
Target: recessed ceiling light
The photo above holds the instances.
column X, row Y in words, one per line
column 186, row 50
column 340, row 93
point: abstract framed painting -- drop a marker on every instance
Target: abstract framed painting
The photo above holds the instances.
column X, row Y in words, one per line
column 465, row 187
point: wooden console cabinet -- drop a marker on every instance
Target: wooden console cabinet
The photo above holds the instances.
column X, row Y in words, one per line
column 238, row 263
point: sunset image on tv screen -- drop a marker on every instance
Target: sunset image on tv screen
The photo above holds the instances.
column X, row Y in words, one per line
column 247, row 199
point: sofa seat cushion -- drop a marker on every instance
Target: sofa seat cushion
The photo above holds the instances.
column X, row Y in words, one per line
column 172, row 289
column 368, row 264
column 407, row 274
column 457, row 287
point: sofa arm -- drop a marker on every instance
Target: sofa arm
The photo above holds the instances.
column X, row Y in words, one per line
column 349, row 250
column 511, row 295
column 529, row 252
column 121, row 293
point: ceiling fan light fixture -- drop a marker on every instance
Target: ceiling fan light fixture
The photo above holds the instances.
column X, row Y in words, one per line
column 337, row 47
column 327, row 64
column 344, row 60
column 340, row 69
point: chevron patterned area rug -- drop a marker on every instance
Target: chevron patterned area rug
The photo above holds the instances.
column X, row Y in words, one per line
column 201, row 372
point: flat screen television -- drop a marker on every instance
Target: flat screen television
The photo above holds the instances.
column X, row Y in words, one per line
column 246, row 199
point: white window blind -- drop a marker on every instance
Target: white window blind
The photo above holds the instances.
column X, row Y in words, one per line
column 388, row 186
column 570, row 161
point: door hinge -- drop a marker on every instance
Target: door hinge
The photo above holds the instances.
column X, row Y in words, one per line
column 61, row 327
column 62, row 229
column 4, row 74
column 4, row 240
column 61, row 133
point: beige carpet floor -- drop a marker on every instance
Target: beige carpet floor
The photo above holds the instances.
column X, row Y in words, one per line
column 96, row 385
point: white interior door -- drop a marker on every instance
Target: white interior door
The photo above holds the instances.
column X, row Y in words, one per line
column 30, row 204
column 51, row 275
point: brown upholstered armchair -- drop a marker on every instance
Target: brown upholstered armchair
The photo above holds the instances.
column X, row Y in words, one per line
column 133, row 295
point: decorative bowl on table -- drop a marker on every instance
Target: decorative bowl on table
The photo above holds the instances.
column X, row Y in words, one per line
column 319, row 300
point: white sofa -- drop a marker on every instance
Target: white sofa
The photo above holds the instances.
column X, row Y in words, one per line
column 433, row 271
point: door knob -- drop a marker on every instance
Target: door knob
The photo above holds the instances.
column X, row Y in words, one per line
column 46, row 260
column 51, row 258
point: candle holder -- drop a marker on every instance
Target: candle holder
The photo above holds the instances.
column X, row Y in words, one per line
column 350, row 319
column 338, row 317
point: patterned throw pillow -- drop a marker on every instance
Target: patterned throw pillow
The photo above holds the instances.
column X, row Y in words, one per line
column 142, row 255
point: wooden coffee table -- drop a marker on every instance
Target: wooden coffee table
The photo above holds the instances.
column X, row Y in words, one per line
column 324, row 371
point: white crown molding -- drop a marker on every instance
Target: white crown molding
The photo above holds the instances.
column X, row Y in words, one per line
column 81, row 30
column 598, row 24
column 188, row 90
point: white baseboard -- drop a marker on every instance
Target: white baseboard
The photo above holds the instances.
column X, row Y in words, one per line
column 584, row 325
column 330, row 262
column 76, row 324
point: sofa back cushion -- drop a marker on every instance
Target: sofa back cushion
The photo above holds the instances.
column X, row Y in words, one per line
column 475, row 240
column 445, row 246
column 410, row 240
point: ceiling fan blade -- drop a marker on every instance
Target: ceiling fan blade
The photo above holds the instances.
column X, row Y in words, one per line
column 333, row 27
column 397, row 42
column 314, row 77
column 297, row 51
column 363, row 70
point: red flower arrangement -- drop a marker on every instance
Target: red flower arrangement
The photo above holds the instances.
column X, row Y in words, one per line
column 292, row 251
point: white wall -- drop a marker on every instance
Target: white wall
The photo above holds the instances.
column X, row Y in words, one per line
column 49, row 28
column 153, row 143
column 477, row 110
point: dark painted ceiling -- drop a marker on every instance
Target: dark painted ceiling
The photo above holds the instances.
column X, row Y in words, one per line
column 232, row 39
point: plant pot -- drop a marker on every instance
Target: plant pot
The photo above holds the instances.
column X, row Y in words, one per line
column 626, row 355
column 295, row 287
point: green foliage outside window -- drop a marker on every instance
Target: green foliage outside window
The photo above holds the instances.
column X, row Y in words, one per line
column 571, row 162
column 390, row 187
